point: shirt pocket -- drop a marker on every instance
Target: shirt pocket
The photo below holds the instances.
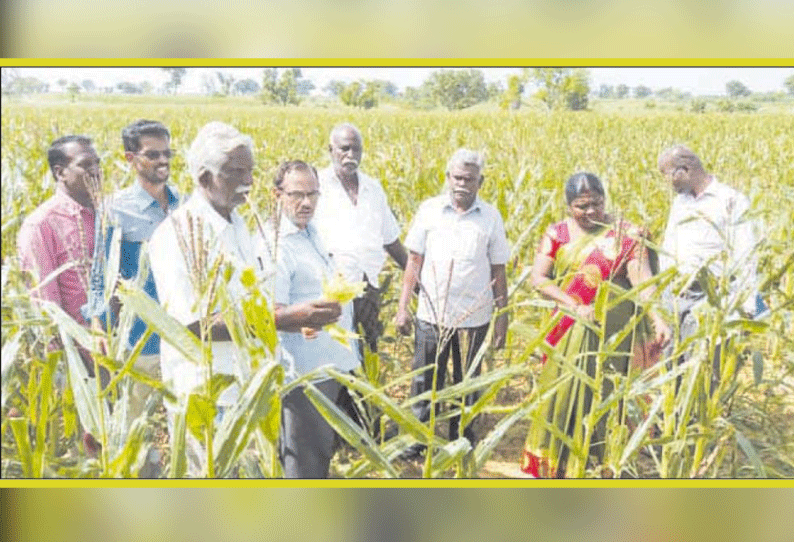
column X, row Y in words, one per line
column 468, row 242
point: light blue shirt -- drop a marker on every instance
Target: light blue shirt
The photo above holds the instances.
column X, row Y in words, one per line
column 302, row 262
column 136, row 214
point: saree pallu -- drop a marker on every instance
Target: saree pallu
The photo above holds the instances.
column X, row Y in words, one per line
column 566, row 381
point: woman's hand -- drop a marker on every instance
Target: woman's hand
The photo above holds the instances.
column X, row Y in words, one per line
column 663, row 333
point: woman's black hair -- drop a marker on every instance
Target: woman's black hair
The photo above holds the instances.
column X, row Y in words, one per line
column 582, row 182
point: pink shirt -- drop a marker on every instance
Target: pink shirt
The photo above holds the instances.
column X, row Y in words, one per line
column 59, row 231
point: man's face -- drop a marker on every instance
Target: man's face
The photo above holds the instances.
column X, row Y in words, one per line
column 677, row 174
column 345, row 151
column 464, row 181
column 81, row 175
column 152, row 162
column 230, row 186
column 299, row 193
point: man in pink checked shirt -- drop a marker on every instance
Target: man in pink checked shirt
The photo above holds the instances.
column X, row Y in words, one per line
column 61, row 230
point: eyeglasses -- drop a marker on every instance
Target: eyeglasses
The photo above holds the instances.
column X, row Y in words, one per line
column 154, row 155
column 297, row 195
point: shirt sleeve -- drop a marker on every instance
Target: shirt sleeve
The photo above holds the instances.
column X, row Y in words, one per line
column 37, row 249
column 283, row 277
column 416, row 239
column 498, row 248
column 390, row 230
column 741, row 241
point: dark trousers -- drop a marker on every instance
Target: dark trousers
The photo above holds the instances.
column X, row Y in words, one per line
column 306, row 443
column 428, row 340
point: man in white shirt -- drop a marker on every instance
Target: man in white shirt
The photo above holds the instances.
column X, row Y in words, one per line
column 357, row 225
column 458, row 251
column 220, row 160
column 707, row 229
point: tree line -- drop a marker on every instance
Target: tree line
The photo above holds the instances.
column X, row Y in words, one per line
column 452, row 89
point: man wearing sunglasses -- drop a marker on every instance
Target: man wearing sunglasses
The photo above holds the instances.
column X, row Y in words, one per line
column 134, row 214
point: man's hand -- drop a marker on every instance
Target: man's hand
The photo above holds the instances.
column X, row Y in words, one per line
column 321, row 313
column 402, row 320
column 500, row 332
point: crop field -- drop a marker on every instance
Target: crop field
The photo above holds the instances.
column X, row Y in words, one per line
column 744, row 429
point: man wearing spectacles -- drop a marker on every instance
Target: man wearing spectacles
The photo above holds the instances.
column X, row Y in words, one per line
column 134, row 214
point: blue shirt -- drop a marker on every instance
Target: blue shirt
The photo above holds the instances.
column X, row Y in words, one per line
column 302, row 263
column 136, row 214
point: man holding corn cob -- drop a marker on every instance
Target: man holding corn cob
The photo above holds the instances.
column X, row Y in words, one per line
column 458, row 251
column 305, row 311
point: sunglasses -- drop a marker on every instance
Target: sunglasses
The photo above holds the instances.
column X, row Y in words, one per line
column 154, row 155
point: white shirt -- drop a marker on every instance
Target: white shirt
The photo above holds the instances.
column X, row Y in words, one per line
column 178, row 295
column 302, row 265
column 458, row 251
column 701, row 227
column 355, row 234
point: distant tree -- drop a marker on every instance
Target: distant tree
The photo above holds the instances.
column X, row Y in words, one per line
column 281, row 90
column 361, row 94
column 457, row 89
column 126, row 87
column 305, row 87
column 418, row 98
column 386, row 88
column 62, row 83
column 209, row 84
column 672, row 94
column 176, row 75
column 605, row 91
column 226, row 81
column 789, row 84
column 334, row 88
column 736, row 89
column 26, row 85
column 8, row 80
column 562, row 87
column 495, row 90
column 246, row 86
column 73, row 89
column 698, row 105
column 621, row 91
column 88, row 85
column 641, row 91
column 146, row 87
column 511, row 98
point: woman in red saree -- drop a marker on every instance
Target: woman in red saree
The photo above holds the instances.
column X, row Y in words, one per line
column 575, row 257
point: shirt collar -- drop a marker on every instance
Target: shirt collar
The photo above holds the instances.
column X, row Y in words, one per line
column 67, row 203
column 211, row 216
column 144, row 200
column 287, row 227
column 363, row 182
column 475, row 206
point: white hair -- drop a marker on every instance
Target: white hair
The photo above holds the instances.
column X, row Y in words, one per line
column 344, row 127
column 466, row 157
column 211, row 148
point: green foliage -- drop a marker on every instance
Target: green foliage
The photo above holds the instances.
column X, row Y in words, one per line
column 736, row 89
column 457, row 89
column 789, row 84
column 284, row 90
column 697, row 105
column 562, row 87
column 511, row 97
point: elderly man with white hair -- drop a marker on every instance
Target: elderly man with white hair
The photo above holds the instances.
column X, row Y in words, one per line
column 220, row 160
column 457, row 252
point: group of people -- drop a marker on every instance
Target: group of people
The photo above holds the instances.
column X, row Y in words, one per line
column 338, row 222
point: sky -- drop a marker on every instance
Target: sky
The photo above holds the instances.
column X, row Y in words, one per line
column 698, row 81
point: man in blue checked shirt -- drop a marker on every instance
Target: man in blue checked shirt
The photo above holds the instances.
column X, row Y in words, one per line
column 136, row 211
